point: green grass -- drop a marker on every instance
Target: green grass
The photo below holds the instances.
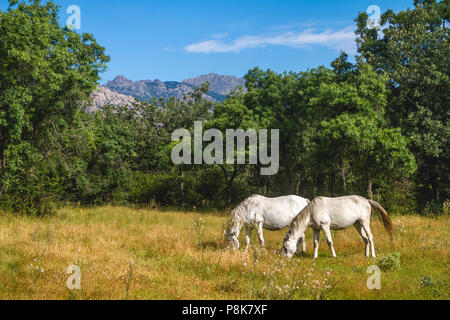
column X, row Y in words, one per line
column 180, row 255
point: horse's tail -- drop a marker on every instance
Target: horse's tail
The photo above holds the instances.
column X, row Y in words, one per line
column 388, row 225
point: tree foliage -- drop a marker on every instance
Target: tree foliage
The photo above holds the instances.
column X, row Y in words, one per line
column 413, row 49
column 378, row 127
column 47, row 73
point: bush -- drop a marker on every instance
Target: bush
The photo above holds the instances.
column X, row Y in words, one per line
column 398, row 197
column 31, row 205
column 162, row 188
column 391, row 262
column 446, row 208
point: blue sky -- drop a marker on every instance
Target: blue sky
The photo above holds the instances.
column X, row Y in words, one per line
column 175, row 40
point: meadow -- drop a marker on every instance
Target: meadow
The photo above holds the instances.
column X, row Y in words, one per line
column 135, row 254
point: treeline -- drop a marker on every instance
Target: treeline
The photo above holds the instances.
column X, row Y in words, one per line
column 378, row 128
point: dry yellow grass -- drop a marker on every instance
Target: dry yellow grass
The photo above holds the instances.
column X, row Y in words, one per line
column 180, row 255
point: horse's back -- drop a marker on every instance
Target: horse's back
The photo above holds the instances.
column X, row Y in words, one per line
column 274, row 213
column 348, row 201
column 279, row 212
column 292, row 200
column 340, row 212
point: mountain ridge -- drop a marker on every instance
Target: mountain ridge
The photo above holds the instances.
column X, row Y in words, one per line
column 104, row 96
column 220, row 85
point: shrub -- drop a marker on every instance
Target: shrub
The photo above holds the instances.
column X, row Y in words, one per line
column 398, row 197
column 390, row 262
column 446, row 207
column 162, row 188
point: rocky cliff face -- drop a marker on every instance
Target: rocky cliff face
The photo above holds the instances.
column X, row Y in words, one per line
column 123, row 91
column 219, row 84
column 148, row 89
column 103, row 96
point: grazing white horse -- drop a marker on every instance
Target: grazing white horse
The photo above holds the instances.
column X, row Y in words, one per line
column 335, row 214
column 258, row 212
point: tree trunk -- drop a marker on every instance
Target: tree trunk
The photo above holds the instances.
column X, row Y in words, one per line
column 297, row 187
column 230, row 194
column 182, row 188
column 229, row 180
column 290, row 178
column 3, row 156
column 332, row 183
column 369, row 186
column 344, row 179
column 2, row 164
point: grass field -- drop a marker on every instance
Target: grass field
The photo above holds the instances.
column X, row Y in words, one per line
column 144, row 254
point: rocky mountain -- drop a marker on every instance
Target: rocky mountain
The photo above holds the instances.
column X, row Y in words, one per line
column 219, row 84
column 103, row 96
column 148, row 89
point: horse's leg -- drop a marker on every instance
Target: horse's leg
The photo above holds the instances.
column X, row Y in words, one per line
column 316, row 243
column 261, row 235
column 363, row 235
column 303, row 239
column 327, row 232
column 236, row 242
column 248, row 235
column 366, row 228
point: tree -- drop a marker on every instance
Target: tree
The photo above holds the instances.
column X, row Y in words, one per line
column 232, row 114
column 357, row 134
column 175, row 114
column 278, row 102
column 46, row 73
column 413, row 49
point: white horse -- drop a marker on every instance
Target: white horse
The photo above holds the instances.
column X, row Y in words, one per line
column 258, row 212
column 335, row 214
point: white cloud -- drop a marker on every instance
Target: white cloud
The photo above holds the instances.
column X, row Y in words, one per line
column 220, row 35
column 343, row 39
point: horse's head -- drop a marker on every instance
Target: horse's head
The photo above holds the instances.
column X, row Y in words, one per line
column 290, row 246
column 233, row 241
column 232, row 232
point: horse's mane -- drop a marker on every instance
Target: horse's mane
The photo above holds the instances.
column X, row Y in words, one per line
column 235, row 222
column 300, row 220
column 243, row 205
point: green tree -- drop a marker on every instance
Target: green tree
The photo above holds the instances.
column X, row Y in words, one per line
column 277, row 102
column 233, row 114
column 413, row 49
column 46, row 73
column 358, row 136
